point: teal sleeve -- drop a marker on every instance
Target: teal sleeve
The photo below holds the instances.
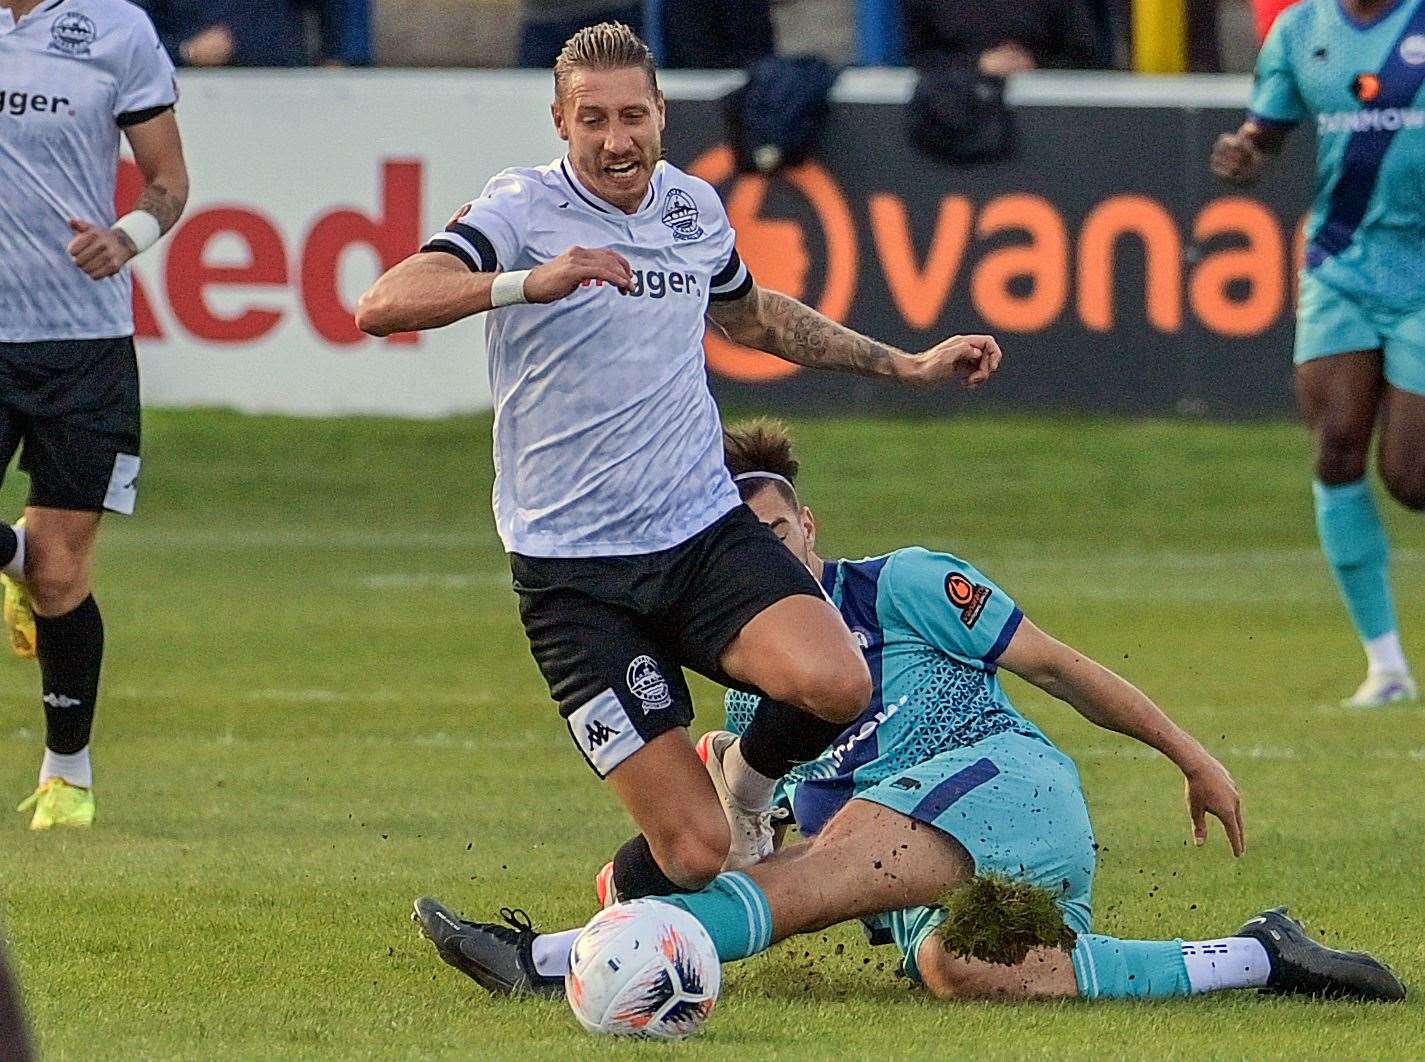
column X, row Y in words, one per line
column 949, row 604
column 1275, row 97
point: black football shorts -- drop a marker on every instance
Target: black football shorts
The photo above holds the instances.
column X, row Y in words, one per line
column 71, row 407
column 613, row 634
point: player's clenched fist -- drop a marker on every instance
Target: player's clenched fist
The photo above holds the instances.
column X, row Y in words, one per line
column 970, row 359
column 560, row 276
column 99, row 252
column 1237, row 158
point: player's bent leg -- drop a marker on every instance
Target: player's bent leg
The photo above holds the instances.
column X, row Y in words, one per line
column 666, row 789
column 69, row 643
column 1402, row 447
column 1340, row 396
column 1045, row 973
column 798, row 651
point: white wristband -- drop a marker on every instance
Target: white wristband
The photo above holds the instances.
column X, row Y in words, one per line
column 141, row 227
column 508, row 288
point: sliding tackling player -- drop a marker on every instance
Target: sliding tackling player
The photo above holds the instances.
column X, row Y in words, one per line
column 632, row 554
column 73, row 75
column 940, row 779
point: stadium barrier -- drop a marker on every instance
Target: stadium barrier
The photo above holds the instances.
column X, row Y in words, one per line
column 1117, row 273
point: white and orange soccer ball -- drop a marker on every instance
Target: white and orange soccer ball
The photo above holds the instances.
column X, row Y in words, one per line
column 643, row 968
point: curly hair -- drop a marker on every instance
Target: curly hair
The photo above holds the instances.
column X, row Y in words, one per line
column 607, row 46
column 762, row 445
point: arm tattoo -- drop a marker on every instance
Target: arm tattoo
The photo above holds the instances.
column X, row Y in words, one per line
column 162, row 204
column 780, row 325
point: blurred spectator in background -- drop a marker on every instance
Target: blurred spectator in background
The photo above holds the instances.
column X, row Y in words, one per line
column 547, row 24
column 263, row 32
column 1004, row 37
column 702, row 35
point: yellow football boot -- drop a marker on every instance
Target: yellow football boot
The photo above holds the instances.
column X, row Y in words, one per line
column 57, row 803
column 19, row 616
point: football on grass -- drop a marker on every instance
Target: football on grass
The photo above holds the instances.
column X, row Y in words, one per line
column 643, row 968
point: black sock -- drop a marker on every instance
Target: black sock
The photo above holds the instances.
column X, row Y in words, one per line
column 9, row 543
column 70, row 649
column 637, row 873
column 780, row 737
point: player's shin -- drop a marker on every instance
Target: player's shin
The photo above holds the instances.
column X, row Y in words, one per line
column 778, row 738
column 70, row 650
column 1354, row 541
column 733, row 909
column 1109, row 968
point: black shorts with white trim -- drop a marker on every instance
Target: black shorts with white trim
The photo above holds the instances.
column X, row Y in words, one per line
column 71, row 407
column 613, row 634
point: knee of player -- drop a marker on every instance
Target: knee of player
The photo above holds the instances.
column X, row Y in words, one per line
column 1341, row 450
column 1406, row 487
column 694, row 856
column 838, row 693
column 56, row 586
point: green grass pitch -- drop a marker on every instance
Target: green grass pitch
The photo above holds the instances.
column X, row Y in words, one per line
column 319, row 704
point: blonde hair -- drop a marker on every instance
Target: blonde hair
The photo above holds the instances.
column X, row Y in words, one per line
column 607, row 46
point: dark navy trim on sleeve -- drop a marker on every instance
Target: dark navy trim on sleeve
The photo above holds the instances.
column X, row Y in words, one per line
column 448, row 247
column 489, row 260
column 1006, row 635
column 129, row 118
column 736, row 293
column 728, row 272
column 1274, row 123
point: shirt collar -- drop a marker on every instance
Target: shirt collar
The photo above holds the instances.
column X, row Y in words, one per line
column 590, row 199
column 828, row 576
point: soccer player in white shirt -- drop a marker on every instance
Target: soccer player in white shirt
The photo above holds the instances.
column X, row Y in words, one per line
column 73, row 75
column 632, row 554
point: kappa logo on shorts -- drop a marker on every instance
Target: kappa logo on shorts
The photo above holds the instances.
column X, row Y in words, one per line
column 905, row 783
column 968, row 597
column 680, row 214
column 598, row 732
column 646, row 683
column 73, row 34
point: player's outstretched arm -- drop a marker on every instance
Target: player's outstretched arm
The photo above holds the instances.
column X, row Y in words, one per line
column 1113, row 703
column 782, row 326
column 158, row 153
column 1242, row 157
column 433, row 289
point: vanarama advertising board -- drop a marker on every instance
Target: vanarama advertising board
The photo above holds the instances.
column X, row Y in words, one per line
column 1117, row 273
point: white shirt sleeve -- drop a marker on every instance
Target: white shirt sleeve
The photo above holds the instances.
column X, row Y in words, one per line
column 146, row 80
column 731, row 280
column 484, row 233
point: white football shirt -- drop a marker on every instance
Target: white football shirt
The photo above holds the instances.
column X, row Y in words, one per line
column 607, row 439
column 72, row 72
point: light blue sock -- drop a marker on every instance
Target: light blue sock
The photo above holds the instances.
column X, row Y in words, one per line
column 1353, row 539
column 1108, row 968
column 734, row 911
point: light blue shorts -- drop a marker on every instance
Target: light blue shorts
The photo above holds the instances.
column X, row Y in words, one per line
column 1017, row 806
column 1328, row 321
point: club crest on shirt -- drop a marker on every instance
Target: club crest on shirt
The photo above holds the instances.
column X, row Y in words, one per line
column 73, row 34
column 1412, row 49
column 646, row 683
column 680, row 214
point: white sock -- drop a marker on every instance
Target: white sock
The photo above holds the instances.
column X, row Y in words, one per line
column 74, row 769
column 1230, row 962
column 750, row 788
column 1385, row 654
column 15, row 566
column 551, row 952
